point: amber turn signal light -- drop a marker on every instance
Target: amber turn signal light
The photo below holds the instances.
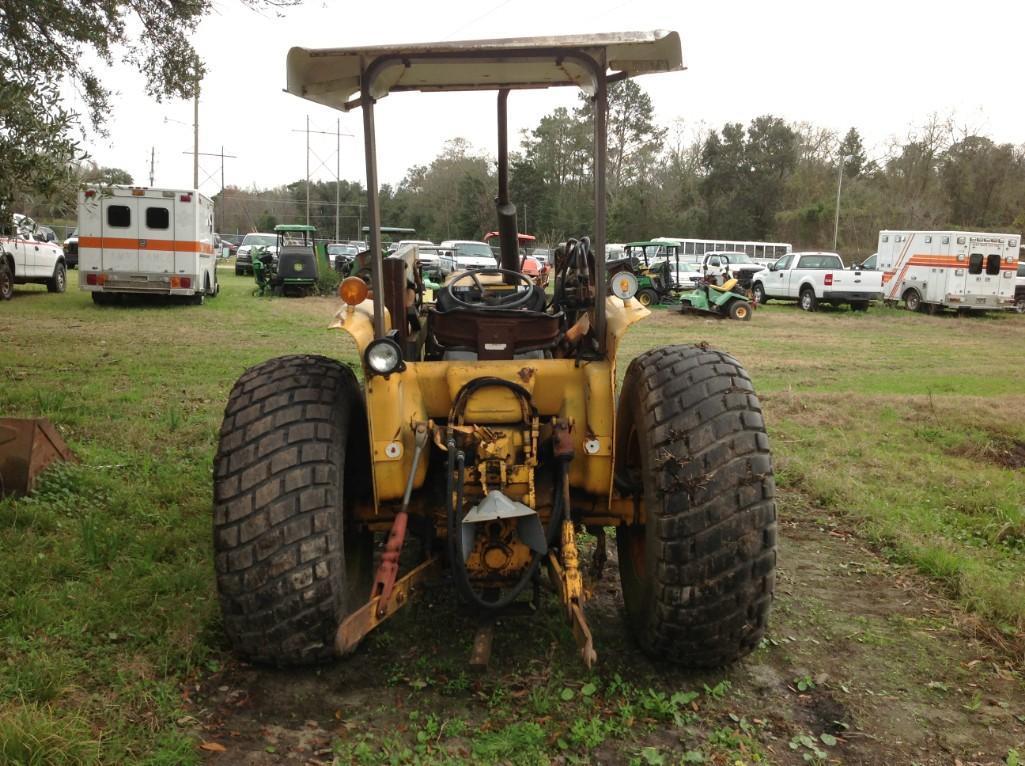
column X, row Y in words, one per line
column 353, row 290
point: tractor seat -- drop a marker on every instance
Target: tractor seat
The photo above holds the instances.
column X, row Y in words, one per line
column 726, row 286
column 490, row 334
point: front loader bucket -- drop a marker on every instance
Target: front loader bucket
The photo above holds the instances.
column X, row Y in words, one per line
column 27, row 447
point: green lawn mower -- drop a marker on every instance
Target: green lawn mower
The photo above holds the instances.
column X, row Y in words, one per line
column 719, row 295
column 296, row 269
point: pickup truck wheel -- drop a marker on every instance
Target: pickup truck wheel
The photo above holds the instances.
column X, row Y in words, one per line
column 912, row 300
column 859, row 306
column 758, row 294
column 698, row 576
column 1019, row 305
column 58, row 283
column 807, row 299
column 647, row 297
column 740, row 310
column 293, row 444
column 6, row 281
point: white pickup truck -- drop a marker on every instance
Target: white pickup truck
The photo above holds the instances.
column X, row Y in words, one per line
column 26, row 256
column 813, row 278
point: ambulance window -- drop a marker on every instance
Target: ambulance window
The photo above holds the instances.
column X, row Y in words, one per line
column 119, row 216
column 946, row 240
column 992, row 264
column 886, row 238
column 975, row 263
column 158, row 218
column 928, row 240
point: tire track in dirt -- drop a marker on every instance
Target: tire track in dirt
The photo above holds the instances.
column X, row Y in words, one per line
column 858, row 649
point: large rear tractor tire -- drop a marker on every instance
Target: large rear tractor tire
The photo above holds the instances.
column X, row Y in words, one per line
column 698, row 576
column 293, row 450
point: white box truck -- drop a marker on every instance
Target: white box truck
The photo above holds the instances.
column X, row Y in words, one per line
column 964, row 270
column 143, row 241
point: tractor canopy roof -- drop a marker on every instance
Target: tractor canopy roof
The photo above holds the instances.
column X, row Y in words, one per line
column 333, row 76
column 650, row 244
column 299, row 227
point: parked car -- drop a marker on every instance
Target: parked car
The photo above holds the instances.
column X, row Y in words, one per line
column 244, row 257
column 71, row 249
column 340, row 255
column 224, row 247
column 741, row 265
column 811, row 278
column 30, row 255
column 466, row 254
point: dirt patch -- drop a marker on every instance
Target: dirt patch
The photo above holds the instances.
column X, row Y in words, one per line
column 864, row 664
column 1000, row 451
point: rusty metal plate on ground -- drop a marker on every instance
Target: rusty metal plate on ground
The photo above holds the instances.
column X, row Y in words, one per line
column 27, row 447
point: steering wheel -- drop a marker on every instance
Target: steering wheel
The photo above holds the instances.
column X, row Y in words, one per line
column 513, row 300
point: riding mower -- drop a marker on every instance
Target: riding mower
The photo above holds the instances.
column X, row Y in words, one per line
column 718, row 294
column 655, row 276
column 485, row 426
column 295, row 271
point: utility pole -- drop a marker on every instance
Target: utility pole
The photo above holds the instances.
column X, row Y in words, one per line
column 196, row 155
column 337, row 133
column 338, row 174
column 839, row 182
column 152, row 158
column 195, row 137
column 307, row 170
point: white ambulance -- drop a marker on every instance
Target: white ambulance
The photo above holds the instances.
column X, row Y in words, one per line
column 143, row 241
column 931, row 270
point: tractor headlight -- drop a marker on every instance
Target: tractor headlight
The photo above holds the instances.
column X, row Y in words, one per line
column 383, row 357
column 624, row 285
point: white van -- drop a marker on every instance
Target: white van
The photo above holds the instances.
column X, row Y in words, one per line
column 138, row 240
column 964, row 270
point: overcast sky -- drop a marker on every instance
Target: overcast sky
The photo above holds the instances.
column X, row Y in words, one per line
column 883, row 67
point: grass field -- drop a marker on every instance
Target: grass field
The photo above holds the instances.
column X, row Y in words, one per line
column 906, row 431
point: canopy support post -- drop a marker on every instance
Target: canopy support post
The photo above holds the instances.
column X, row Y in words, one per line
column 601, row 109
column 373, row 208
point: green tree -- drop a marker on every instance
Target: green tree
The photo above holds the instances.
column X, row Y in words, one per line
column 852, row 147
column 45, row 45
column 745, row 177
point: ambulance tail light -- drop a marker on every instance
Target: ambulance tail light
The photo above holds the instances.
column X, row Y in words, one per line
column 185, row 198
column 828, row 282
column 186, row 282
column 90, row 279
column 96, row 279
column 90, row 193
column 181, row 283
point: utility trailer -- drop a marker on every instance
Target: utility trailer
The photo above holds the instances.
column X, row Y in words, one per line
column 934, row 270
column 137, row 240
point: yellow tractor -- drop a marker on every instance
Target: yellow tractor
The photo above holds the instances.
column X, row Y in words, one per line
column 486, row 423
